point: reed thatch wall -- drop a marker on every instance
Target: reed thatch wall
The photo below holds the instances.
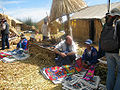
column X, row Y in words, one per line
column 81, row 29
column 98, row 28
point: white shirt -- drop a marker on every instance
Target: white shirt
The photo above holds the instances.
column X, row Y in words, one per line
column 45, row 30
column 3, row 26
column 62, row 46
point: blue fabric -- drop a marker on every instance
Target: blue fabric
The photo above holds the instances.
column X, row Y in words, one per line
column 5, row 40
column 17, row 51
column 22, row 44
column 92, row 59
column 113, row 62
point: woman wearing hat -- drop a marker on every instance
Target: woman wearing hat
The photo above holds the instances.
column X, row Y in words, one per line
column 89, row 56
column 22, row 43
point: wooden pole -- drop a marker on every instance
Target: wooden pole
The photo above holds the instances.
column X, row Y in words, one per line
column 108, row 6
column 69, row 30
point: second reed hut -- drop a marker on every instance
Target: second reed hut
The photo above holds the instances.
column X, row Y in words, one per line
column 88, row 22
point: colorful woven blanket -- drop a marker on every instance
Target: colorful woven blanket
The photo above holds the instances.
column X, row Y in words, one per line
column 3, row 54
column 90, row 73
column 78, row 65
column 6, row 57
column 57, row 72
column 11, row 56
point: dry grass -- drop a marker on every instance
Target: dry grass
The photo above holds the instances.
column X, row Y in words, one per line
column 25, row 75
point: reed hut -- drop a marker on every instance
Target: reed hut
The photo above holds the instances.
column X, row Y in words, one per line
column 65, row 7
column 88, row 22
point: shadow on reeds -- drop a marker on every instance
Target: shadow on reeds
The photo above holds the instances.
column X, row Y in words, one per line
column 38, row 61
column 40, row 57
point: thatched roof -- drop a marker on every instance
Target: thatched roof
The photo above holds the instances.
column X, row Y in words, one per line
column 94, row 12
column 16, row 21
column 63, row 7
column 10, row 18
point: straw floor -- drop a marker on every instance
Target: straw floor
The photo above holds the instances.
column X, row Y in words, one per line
column 25, row 75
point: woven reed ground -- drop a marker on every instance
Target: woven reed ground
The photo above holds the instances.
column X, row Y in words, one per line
column 25, row 75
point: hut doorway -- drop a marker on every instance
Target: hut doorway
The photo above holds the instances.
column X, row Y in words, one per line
column 91, row 29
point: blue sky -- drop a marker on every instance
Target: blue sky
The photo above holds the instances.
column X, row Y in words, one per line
column 34, row 9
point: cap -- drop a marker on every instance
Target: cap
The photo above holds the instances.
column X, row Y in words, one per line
column 45, row 20
column 114, row 12
column 88, row 41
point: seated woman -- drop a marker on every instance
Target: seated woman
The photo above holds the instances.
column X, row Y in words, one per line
column 22, row 43
column 89, row 56
column 65, row 51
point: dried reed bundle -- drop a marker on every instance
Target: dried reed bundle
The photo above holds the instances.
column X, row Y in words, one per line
column 63, row 7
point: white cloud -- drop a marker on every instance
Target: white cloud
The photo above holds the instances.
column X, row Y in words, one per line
column 5, row 2
column 13, row 2
column 36, row 14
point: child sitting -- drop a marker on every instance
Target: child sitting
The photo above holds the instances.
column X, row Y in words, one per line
column 89, row 56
